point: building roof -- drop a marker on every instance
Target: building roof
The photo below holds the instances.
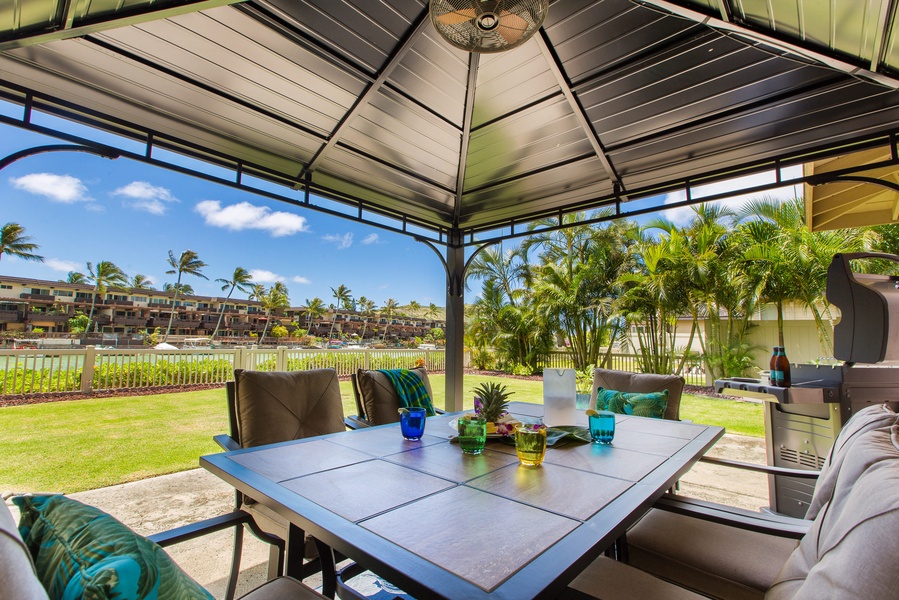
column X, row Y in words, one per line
column 614, row 102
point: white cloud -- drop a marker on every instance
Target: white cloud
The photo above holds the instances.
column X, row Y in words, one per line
column 300, row 279
column 59, row 188
column 342, row 241
column 147, row 197
column 371, row 238
column 263, row 276
column 63, row 265
column 244, row 215
column 684, row 214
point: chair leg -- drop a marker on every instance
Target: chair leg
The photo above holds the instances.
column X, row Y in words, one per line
column 235, row 563
column 275, row 562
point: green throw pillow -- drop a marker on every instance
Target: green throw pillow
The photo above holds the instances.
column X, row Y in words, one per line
column 651, row 404
column 82, row 552
column 606, row 397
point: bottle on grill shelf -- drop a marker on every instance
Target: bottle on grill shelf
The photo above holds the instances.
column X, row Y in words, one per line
column 780, row 368
column 772, row 379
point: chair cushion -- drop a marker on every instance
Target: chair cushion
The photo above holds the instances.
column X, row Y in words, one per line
column 18, row 578
column 283, row 588
column 643, row 383
column 379, row 398
column 80, row 551
column 652, row 404
column 611, row 580
column 283, row 406
column 867, row 419
column 713, row 559
column 851, row 549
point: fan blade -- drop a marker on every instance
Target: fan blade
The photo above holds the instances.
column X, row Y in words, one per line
column 511, row 27
column 457, row 16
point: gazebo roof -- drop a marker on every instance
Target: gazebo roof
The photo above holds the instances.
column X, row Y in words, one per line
column 361, row 102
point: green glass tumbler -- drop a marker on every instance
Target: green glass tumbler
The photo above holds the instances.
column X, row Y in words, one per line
column 472, row 434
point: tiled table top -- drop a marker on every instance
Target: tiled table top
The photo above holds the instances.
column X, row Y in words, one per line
column 446, row 523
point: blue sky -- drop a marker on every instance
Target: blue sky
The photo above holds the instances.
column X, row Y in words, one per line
column 79, row 208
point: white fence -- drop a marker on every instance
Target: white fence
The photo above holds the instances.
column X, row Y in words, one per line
column 93, row 369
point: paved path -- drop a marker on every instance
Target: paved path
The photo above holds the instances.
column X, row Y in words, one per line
column 161, row 503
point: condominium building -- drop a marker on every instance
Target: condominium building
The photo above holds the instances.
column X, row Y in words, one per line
column 26, row 304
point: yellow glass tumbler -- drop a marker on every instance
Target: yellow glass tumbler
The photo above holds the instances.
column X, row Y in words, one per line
column 530, row 444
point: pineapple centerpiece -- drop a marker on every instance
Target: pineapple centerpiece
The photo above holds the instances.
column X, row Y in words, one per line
column 491, row 402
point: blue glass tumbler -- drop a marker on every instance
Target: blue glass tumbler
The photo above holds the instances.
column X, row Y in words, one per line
column 412, row 423
column 602, row 427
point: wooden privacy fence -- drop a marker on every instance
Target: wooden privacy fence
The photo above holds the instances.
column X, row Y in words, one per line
column 93, row 369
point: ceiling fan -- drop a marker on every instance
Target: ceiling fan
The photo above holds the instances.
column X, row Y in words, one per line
column 487, row 25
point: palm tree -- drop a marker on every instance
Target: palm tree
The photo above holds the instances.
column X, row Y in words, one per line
column 276, row 298
column 76, row 277
column 185, row 289
column 14, row 242
column 367, row 308
column 343, row 296
column 389, row 308
column 315, row 309
column 104, row 275
column 188, row 263
column 240, row 280
column 432, row 311
column 140, row 282
column 414, row 308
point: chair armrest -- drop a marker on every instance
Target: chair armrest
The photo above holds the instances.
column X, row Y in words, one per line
column 767, row 469
column 200, row 528
column 439, row 411
column 769, row 524
column 355, row 422
column 226, row 442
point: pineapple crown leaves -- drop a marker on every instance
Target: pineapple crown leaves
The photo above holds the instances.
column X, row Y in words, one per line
column 491, row 400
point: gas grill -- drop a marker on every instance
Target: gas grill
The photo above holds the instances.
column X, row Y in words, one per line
column 802, row 421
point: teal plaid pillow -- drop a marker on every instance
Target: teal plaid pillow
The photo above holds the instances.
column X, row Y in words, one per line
column 82, row 552
column 651, row 404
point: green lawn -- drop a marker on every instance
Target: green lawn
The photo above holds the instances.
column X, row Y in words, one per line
column 85, row 444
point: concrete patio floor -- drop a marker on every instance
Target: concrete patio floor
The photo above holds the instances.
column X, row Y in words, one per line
column 161, row 503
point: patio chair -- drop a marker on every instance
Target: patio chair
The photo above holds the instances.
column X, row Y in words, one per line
column 376, row 399
column 70, row 545
column 726, row 552
column 643, row 383
column 267, row 408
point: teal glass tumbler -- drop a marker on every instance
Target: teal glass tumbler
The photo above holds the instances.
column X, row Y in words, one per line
column 602, row 427
column 472, row 434
column 412, row 423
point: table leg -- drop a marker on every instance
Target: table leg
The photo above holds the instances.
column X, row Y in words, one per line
column 329, row 569
column 294, row 550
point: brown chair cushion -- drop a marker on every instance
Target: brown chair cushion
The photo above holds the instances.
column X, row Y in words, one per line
column 611, row 580
column 284, row 406
column 865, row 420
column 379, row 398
column 711, row 558
column 625, row 381
column 851, row 549
column 283, row 588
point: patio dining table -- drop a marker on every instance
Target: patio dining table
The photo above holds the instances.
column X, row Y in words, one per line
column 440, row 523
